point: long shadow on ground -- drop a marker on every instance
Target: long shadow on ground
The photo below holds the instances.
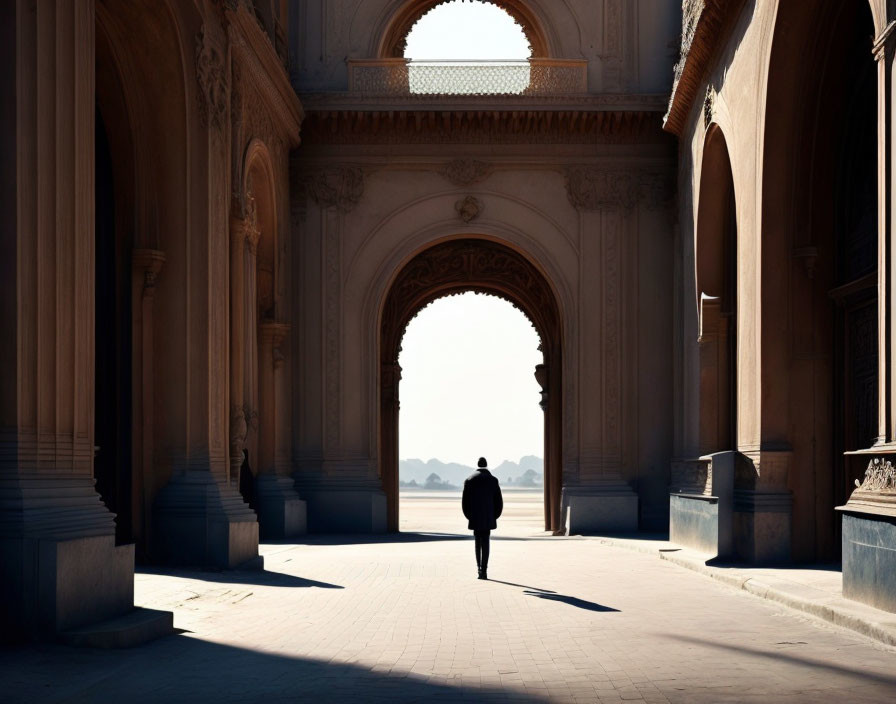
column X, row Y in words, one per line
column 186, row 669
column 260, row 577
column 562, row 598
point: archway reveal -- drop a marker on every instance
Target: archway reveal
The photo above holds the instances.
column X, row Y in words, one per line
column 482, row 266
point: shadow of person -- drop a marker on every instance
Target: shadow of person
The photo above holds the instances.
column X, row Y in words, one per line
column 571, row 600
column 522, row 586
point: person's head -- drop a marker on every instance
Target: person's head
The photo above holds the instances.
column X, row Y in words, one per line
column 482, row 462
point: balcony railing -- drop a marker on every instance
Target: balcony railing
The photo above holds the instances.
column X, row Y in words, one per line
column 405, row 77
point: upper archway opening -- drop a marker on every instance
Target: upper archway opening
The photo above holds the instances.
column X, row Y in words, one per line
column 467, row 31
column 467, row 47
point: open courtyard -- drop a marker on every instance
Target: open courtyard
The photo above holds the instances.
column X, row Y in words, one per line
column 403, row 618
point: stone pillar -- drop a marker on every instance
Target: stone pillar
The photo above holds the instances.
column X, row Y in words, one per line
column 147, row 264
column 199, row 518
column 281, row 511
column 59, row 565
column 599, row 498
column 238, row 425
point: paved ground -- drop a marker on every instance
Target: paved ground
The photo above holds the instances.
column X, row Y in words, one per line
column 404, row 619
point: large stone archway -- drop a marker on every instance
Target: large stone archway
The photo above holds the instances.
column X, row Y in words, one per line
column 483, row 266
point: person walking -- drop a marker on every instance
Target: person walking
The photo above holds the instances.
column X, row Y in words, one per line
column 482, row 505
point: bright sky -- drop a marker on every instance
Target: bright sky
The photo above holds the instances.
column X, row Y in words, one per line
column 467, row 383
column 468, row 30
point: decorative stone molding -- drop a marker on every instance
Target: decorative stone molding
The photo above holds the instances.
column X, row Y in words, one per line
column 880, row 476
column 466, row 172
column 709, row 106
column 598, row 189
column 706, row 24
column 592, row 189
column 340, row 187
column 212, row 81
column 468, row 209
column 407, row 121
column 276, row 333
column 876, row 493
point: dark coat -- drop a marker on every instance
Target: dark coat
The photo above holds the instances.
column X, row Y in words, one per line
column 482, row 501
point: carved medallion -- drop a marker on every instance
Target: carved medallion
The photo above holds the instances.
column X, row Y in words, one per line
column 598, row 189
column 339, row 188
column 466, row 172
column 468, row 209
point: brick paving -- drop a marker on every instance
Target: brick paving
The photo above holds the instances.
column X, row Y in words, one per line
column 404, row 619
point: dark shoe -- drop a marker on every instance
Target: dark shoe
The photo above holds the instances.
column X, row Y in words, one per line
column 483, row 574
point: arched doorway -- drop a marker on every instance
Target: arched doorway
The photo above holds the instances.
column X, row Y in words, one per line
column 717, row 297
column 819, row 339
column 484, row 266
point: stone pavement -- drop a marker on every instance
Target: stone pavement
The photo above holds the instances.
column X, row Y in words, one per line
column 403, row 619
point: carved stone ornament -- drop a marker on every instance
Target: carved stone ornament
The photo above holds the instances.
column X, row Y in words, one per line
column 339, row 188
column 466, row 172
column 598, row 189
column 210, row 76
column 251, row 231
column 468, row 209
column 239, row 430
column 709, row 106
column 880, row 476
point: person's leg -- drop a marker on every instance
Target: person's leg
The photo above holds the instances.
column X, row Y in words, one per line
column 477, row 538
column 485, row 549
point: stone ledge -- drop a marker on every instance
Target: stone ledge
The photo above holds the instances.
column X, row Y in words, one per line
column 797, row 595
column 132, row 629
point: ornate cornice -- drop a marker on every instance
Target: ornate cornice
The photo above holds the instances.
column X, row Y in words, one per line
column 706, row 25
column 261, row 67
column 491, row 126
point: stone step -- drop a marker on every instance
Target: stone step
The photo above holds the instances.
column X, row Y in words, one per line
column 133, row 628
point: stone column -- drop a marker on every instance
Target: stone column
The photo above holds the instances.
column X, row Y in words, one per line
column 238, row 426
column 869, row 517
column 147, row 263
column 59, row 565
column 281, row 511
column 200, row 518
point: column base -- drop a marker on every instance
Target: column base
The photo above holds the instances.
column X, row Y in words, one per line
column 606, row 507
column 281, row 511
column 201, row 522
column 59, row 565
column 762, row 526
column 350, row 507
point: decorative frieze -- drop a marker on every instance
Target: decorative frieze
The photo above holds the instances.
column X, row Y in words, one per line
column 593, row 188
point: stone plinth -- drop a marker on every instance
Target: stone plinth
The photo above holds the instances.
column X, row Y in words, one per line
column 200, row 521
column 606, row 507
column 869, row 538
column 763, row 506
column 702, row 504
column 281, row 511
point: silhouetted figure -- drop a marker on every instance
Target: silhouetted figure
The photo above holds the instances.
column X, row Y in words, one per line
column 482, row 504
column 247, row 481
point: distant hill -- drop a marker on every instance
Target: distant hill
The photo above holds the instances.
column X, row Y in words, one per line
column 453, row 473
